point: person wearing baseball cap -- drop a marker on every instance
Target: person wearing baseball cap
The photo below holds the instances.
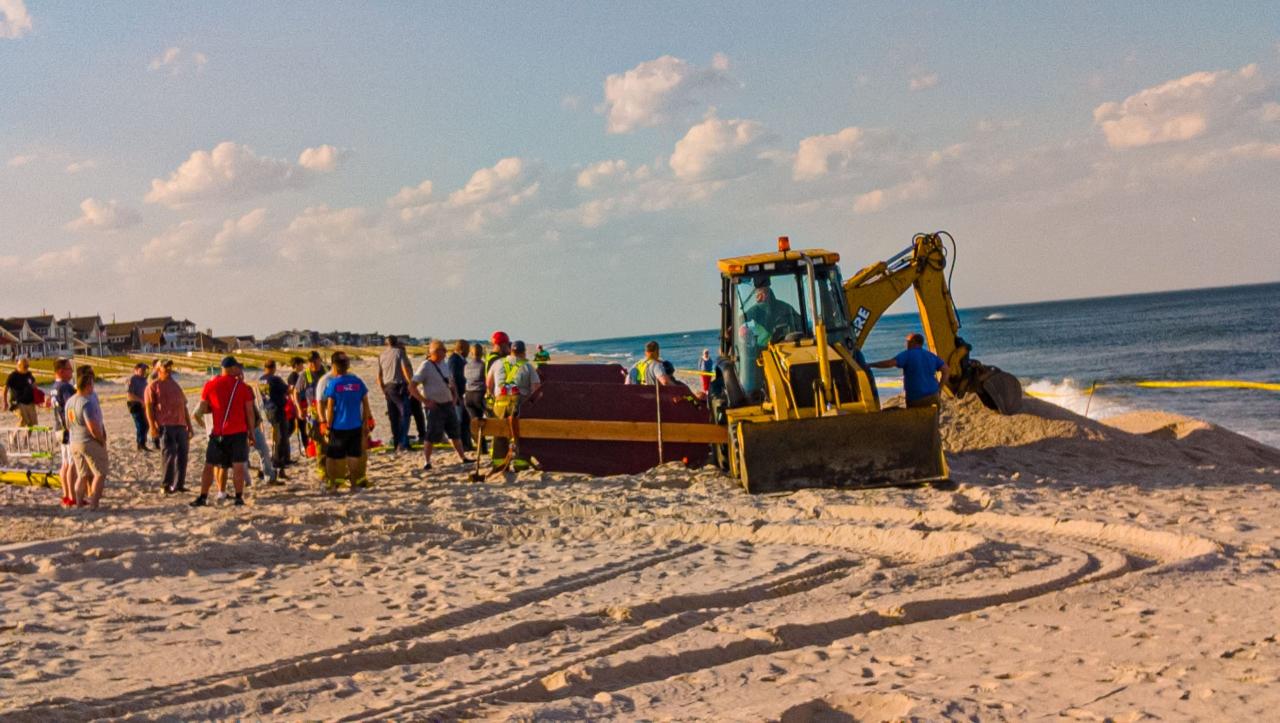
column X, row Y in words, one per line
column 510, row 382
column 133, row 400
column 230, row 404
column 500, row 346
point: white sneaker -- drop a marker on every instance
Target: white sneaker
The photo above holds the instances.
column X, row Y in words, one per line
column 221, row 496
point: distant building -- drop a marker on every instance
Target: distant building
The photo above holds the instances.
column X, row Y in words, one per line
column 85, row 335
column 32, row 336
column 123, row 337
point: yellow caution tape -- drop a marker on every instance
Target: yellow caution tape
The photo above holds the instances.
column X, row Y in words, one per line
column 1211, row 384
column 1157, row 384
column 695, row 371
column 1153, row 384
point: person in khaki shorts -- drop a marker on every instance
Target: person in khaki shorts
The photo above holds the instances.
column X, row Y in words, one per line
column 88, row 438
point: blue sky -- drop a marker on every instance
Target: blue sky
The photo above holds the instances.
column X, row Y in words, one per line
column 574, row 170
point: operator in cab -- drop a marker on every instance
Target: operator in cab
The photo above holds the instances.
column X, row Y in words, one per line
column 920, row 369
column 770, row 318
column 651, row 369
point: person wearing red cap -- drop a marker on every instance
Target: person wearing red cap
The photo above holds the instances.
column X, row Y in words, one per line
column 501, row 347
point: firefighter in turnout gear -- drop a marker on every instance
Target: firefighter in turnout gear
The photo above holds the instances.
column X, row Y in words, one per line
column 651, row 369
column 511, row 381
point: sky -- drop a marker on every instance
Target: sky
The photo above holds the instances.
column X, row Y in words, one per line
column 574, row 170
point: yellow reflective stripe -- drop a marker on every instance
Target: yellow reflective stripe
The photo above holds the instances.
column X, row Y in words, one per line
column 511, row 372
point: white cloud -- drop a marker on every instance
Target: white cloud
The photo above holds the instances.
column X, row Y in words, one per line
column 599, row 172
column 412, row 195
column 75, row 167
column 22, row 160
column 335, row 233
column 499, row 193
column 321, row 159
column 14, row 19
column 489, row 183
column 716, row 148
column 177, row 244
column 571, row 102
column 923, row 82
column 1271, row 112
column 232, row 171
column 881, row 198
column 815, row 153
column 175, row 61
column 654, row 90
column 54, row 264
column 1179, row 109
column 103, row 216
column 196, row 243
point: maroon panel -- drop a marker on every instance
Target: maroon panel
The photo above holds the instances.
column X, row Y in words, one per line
column 612, row 402
column 598, row 373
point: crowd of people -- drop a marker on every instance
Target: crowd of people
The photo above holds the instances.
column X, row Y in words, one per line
column 321, row 403
column 327, row 407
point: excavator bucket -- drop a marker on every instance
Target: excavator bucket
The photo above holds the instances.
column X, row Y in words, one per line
column 877, row 449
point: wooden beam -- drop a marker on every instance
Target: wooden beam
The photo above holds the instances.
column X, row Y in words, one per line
column 606, row 431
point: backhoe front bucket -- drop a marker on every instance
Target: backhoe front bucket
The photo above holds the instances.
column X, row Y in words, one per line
column 877, row 449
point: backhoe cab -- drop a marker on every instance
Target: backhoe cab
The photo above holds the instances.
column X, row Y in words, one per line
column 800, row 405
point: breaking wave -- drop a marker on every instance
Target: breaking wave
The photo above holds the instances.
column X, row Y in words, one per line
column 1075, row 396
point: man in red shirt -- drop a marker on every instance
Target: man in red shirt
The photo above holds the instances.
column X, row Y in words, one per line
column 230, row 404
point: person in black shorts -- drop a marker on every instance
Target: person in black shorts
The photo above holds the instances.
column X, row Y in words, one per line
column 346, row 411
column 230, row 404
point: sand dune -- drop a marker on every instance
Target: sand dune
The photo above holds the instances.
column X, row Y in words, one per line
column 1119, row 570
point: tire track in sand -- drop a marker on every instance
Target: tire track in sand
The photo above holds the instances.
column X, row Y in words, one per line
column 236, row 682
column 1089, row 552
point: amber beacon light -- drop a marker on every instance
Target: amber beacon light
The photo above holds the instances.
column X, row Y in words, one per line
column 784, row 244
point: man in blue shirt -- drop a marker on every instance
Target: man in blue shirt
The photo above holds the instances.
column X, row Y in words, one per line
column 346, row 410
column 920, row 369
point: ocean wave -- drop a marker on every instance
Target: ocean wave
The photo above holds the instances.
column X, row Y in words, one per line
column 996, row 316
column 605, row 355
column 1075, row 396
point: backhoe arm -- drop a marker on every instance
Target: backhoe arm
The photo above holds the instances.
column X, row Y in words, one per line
column 921, row 266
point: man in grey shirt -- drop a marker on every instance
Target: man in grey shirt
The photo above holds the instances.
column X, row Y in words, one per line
column 88, row 437
column 440, row 397
column 394, row 373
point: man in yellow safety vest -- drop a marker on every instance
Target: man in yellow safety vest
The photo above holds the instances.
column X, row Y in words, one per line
column 510, row 382
column 650, row 369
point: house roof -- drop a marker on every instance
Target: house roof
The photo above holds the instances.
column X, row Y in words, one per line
column 14, row 323
column 123, row 328
column 83, row 324
column 156, row 321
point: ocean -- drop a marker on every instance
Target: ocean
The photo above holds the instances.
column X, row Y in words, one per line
column 1059, row 349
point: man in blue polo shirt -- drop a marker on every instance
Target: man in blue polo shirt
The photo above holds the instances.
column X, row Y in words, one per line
column 920, row 369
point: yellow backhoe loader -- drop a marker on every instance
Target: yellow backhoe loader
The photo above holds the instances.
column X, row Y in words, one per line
column 793, row 389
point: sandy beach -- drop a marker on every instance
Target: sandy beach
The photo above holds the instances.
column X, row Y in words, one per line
column 1117, row 570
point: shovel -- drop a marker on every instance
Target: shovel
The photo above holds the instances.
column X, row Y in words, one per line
column 477, row 475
